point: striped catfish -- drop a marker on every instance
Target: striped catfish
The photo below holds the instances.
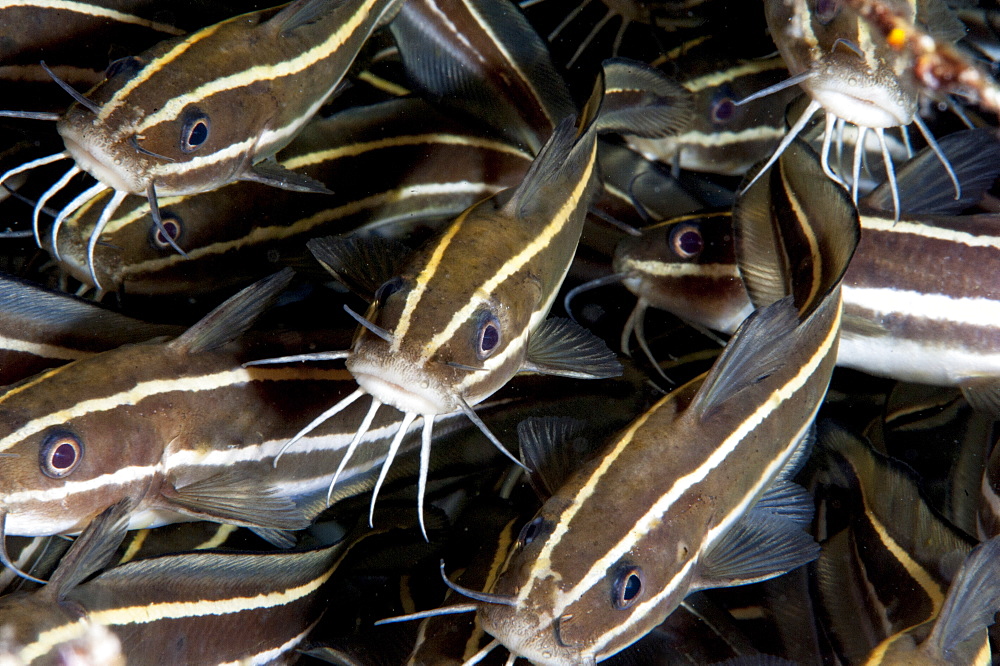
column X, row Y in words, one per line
column 851, row 74
column 208, row 607
column 40, row 329
column 883, row 582
column 195, row 113
column 724, row 137
column 76, row 37
column 706, row 471
column 407, row 162
column 182, row 429
column 438, row 339
column 920, row 296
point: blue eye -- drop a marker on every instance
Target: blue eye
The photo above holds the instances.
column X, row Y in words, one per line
column 172, row 225
column 128, row 66
column 627, row 587
column 529, row 532
column 59, row 454
column 488, row 337
column 686, row 241
column 194, row 132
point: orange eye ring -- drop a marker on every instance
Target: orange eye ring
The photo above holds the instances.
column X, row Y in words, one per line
column 60, row 454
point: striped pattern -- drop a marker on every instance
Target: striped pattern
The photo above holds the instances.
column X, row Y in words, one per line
column 255, row 81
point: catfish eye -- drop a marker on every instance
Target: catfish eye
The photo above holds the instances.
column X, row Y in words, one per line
column 529, row 532
column 129, row 66
column 194, row 132
column 827, row 10
column 388, row 288
column 686, row 241
column 488, row 337
column 172, row 225
column 723, row 109
column 627, row 587
column 60, row 453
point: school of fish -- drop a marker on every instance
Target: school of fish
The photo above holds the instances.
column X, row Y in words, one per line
column 430, row 332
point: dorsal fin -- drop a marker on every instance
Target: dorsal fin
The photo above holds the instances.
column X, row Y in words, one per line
column 228, row 321
column 640, row 100
column 796, row 231
column 361, row 263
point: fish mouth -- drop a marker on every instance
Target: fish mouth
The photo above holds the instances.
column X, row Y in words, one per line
column 401, row 386
column 863, row 104
column 98, row 164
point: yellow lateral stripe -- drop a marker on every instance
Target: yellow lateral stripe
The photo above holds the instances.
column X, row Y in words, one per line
column 148, row 389
column 263, row 234
column 717, row 457
column 516, row 263
column 426, row 275
column 717, row 78
column 172, row 610
column 138, row 539
column 504, row 544
column 145, row 614
column 92, row 10
column 222, row 533
column 913, row 568
column 803, row 222
column 172, row 109
column 152, row 68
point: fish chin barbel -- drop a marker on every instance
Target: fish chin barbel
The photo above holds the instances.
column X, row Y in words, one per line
column 195, row 113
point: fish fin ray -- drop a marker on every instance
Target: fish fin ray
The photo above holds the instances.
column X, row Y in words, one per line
column 563, row 347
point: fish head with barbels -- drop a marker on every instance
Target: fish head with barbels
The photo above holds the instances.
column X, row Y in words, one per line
column 683, row 497
column 200, row 111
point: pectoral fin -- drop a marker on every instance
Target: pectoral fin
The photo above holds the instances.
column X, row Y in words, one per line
column 761, row 545
column 232, row 497
column 92, row 550
column 551, row 450
column 563, row 347
column 271, row 173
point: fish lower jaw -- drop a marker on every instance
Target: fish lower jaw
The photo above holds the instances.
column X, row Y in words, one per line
column 403, row 398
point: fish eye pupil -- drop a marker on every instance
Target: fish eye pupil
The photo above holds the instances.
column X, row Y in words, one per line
column 530, row 531
column 172, row 225
column 632, row 587
column 687, row 242
column 64, row 456
column 489, row 336
column 60, row 453
column 723, row 110
column 195, row 130
column 827, row 10
column 627, row 587
column 388, row 289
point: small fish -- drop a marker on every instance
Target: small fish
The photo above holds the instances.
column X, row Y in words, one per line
column 437, row 340
column 853, row 75
column 195, row 113
column 411, row 165
column 182, row 429
column 579, row 586
column 203, row 607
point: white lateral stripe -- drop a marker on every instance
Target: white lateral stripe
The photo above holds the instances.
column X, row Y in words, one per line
column 262, row 234
column 231, row 151
column 728, row 138
column 514, row 264
column 153, row 387
column 712, row 536
column 269, row 656
column 173, row 108
column 120, row 477
column 669, row 269
column 983, row 312
column 41, row 349
column 929, row 231
column 92, row 10
column 718, row 456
